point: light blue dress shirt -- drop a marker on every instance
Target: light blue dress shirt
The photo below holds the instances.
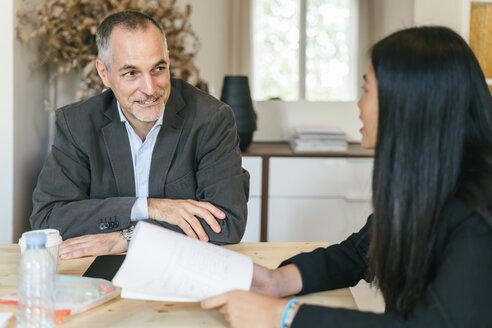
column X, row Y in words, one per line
column 142, row 157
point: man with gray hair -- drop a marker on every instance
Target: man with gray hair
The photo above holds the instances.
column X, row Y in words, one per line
column 148, row 148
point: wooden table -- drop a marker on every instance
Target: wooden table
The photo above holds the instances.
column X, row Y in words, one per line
column 135, row 313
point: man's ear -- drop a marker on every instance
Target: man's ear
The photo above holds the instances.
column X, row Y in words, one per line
column 103, row 73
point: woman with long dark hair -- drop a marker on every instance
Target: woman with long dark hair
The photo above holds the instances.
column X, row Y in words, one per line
column 427, row 111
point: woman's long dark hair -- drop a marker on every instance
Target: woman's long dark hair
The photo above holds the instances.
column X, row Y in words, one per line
column 434, row 144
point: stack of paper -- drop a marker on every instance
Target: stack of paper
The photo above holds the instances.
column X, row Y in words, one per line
column 164, row 265
column 312, row 139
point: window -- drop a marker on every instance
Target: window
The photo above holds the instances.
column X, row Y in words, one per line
column 305, row 50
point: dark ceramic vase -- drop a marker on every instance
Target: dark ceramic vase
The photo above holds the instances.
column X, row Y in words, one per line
column 236, row 93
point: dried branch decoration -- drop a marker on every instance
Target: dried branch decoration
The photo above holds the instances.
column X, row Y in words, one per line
column 67, row 29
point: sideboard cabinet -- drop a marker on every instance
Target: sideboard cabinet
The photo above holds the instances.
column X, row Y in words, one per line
column 306, row 196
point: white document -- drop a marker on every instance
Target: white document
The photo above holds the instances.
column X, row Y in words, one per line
column 164, row 265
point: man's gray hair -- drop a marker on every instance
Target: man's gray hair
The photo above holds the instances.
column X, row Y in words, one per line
column 128, row 19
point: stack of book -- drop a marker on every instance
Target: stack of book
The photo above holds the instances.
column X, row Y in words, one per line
column 318, row 139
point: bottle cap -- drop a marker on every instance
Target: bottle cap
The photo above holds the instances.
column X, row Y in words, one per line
column 36, row 240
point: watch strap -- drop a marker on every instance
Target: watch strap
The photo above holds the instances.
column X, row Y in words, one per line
column 128, row 232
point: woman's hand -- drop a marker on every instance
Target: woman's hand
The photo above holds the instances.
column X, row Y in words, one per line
column 250, row 309
column 264, row 281
column 243, row 309
column 280, row 282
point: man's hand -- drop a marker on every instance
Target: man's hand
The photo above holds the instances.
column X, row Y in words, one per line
column 183, row 213
column 93, row 245
column 244, row 309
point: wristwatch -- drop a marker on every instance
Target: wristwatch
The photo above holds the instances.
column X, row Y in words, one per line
column 128, row 232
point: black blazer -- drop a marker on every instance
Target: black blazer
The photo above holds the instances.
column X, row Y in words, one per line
column 459, row 296
column 87, row 184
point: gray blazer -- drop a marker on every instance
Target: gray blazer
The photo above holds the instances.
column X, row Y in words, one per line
column 87, row 184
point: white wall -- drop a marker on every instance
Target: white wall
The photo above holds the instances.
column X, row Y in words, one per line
column 30, row 131
column 210, row 23
column 6, row 126
column 23, row 127
column 389, row 16
column 276, row 119
column 452, row 13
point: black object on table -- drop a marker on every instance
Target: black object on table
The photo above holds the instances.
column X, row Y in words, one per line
column 104, row 266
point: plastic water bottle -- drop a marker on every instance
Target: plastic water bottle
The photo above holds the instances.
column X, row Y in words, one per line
column 36, row 284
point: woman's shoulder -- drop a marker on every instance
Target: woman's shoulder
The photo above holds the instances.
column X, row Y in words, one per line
column 461, row 219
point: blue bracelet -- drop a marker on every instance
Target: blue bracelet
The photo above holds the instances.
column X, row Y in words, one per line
column 288, row 308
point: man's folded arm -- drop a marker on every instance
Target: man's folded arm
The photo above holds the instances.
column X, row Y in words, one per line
column 220, row 178
column 82, row 217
